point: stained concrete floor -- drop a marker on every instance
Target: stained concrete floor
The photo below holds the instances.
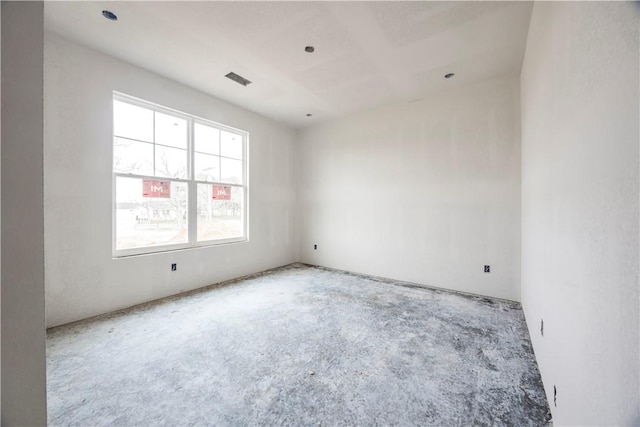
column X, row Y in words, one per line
column 299, row 346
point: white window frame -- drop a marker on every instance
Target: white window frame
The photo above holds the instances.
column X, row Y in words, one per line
column 192, row 183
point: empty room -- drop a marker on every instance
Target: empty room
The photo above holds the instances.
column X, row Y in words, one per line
column 320, row 213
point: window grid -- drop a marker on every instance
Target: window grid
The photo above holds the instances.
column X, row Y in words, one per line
column 234, row 207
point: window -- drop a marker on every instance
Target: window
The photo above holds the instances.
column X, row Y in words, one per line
column 178, row 181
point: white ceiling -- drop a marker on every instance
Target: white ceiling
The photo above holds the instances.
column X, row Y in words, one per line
column 367, row 54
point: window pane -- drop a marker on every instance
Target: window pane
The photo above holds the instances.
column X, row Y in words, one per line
column 171, row 162
column 231, row 171
column 171, row 131
column 131, row 121
column 132, row 156
column 220, row 219
column 149, row 221
column 207, row 167
column 231, row 145
column 206, row 139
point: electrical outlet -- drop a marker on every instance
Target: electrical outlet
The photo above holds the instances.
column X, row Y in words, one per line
column 315, row 247
column 542, row 327
column 555, row 396
column 487, row 269
column 174, row 267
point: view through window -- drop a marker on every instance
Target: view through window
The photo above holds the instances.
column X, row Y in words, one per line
column 179, row 181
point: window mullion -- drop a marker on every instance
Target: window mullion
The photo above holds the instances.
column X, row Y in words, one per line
column 193, row 187
column 154, row 144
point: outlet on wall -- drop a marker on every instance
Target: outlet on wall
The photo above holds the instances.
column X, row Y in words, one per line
column 487, row 269
column 174, row 267
column 315, row 247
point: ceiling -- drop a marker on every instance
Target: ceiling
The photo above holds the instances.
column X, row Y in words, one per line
column 367, row 54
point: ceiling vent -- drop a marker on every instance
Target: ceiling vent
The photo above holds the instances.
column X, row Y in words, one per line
column 238, row 79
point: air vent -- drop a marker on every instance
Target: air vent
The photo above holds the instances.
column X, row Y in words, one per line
column 238, row 79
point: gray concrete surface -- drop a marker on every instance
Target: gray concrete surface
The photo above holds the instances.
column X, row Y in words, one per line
column 299, row 346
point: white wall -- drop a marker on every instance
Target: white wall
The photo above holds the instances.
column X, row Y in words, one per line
column 82, row 279
column 427, row 191
column 580, row 207
column 23, row 325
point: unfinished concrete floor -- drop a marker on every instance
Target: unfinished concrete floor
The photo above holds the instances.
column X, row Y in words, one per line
column 299, row 346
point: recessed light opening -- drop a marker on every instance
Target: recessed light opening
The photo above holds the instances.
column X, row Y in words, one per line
column 109, row 15
column 238, row 79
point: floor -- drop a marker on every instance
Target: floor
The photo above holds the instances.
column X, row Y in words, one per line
column 299, row 345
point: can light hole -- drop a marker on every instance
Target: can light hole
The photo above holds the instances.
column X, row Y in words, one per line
column 109, row 15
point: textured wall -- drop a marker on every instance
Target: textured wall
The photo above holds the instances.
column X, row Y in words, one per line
column 580, row 207
column 427, row 191
column 82, row 278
